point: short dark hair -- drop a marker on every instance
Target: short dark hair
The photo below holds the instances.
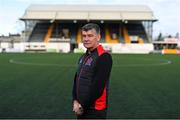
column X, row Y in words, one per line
column 91, row 26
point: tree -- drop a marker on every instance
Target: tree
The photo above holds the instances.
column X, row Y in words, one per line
column 177, row 35
column 160, row 38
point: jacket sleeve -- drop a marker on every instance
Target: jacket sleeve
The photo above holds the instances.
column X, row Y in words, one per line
column 101, row 77
column 74, row 88
column 74, row 94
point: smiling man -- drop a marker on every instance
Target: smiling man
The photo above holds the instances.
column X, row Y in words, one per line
column 91, row 81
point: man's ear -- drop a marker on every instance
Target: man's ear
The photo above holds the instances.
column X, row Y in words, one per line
column 99, row 38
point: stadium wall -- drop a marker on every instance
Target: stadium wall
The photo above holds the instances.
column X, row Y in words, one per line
column 126, row 48
column 65, row 47
column 35, row 47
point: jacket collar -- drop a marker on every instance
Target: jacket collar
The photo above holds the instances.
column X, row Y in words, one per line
column 90, row 52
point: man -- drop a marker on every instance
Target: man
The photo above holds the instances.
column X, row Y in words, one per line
column 91, row 81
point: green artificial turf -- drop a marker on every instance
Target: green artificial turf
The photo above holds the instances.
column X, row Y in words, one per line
column 40, row 85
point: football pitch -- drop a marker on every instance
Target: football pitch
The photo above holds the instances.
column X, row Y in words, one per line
column 39, row 86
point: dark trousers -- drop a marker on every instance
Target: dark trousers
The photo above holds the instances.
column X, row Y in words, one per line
column 93, row 114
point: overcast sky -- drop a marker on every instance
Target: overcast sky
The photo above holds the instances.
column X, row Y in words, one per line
column 166, row 11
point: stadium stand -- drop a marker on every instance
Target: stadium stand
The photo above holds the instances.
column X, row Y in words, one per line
column 138, row 30
column 119, row 23
column 39, row 32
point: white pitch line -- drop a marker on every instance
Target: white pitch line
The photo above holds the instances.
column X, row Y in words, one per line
column 38, row 64
column 163, row 62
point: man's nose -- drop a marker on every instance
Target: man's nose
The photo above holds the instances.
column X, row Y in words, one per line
column 86, row 38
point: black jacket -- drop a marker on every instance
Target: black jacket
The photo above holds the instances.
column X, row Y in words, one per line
column 91, row 80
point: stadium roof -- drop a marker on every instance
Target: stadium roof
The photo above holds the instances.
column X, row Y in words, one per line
column 88, row 12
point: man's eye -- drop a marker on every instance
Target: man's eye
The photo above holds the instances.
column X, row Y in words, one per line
column 90, row 35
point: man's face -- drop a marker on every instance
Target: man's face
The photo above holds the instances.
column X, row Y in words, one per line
column 90, row 39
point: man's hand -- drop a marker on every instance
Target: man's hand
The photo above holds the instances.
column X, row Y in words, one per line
column 77, row 108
